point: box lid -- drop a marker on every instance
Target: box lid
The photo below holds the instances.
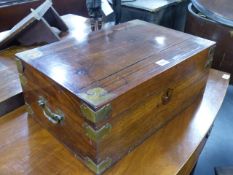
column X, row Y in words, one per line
column 113, row 61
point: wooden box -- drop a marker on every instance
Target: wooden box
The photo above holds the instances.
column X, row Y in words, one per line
column 104, row 94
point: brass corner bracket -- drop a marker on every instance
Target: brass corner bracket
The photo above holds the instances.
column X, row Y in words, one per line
column 97, row 135
column 96, row 96
column 19, row 65
column 96, row 116
column 22, row 79
column 20, row 69
column 98, row 168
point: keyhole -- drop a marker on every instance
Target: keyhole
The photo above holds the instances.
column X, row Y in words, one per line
column 167, row 96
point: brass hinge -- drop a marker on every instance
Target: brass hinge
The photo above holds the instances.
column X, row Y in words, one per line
column 22, row 79
column 98, row 168
column 97, row 135
column 96, row 116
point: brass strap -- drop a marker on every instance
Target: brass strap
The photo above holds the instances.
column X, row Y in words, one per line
column 98, row 168
column 96, row 116
column 97, row 135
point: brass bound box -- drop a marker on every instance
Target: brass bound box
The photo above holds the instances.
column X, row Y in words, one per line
column 102, row 95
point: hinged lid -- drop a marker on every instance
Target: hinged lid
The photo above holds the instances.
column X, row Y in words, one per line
column 104, row 65
column 218, row 10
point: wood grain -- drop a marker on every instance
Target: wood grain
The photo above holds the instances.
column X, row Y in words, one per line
column 30, row 149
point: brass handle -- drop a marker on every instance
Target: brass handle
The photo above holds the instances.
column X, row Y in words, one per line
column 55, row 118
column 167, row 96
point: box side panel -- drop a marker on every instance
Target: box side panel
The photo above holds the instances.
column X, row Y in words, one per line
column 58, row 112
column 133, row 126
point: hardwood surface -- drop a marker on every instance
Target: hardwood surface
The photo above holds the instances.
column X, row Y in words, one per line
column 10, row 88
column 102, row 59
column 27, row 148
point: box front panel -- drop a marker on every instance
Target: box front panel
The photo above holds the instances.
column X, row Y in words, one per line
column 133, row 126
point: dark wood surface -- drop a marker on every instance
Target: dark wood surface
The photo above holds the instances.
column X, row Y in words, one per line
column 219, row 11
column 30, row 149
column 210, row 29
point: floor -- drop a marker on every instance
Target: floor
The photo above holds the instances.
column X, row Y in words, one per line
column 218, row 150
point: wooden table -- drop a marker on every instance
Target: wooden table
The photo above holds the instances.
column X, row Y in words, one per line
column 27, row 148
column 10, row 89
column 11, row 96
